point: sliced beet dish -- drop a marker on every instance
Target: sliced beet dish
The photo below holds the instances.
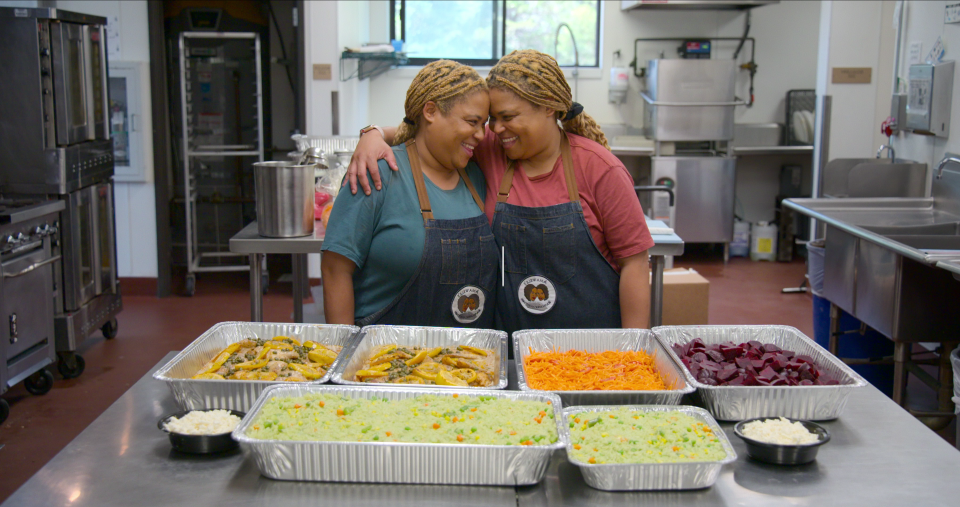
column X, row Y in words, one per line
column 749, row 364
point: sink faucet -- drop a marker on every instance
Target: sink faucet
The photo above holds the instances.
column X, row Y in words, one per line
column 891, row 154
column 576, row 56
column 946, row 160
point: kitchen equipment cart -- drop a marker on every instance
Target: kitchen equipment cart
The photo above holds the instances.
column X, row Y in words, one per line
column 879, row 455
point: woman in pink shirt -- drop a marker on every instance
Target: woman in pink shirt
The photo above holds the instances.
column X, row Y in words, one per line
column 571, row 232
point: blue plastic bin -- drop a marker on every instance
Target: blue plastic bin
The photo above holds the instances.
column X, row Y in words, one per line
column 871, row 345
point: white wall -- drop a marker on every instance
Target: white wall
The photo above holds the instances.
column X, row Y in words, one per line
column 135, row 202
column 861, row 34
column 786, row 54
column 924, row 23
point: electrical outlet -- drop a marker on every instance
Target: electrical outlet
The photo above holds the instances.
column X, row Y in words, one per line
column 952, row 14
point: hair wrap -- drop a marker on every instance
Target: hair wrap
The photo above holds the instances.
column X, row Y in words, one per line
column 537, row 78
column 573, row 112
column 443, row 82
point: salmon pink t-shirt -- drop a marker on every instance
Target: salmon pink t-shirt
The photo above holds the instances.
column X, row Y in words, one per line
column 610, row 204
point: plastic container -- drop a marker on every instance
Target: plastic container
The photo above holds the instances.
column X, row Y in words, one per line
column 870, row 345
column 740, row 246
column 199, row 444
column 778, row 454
column 763, row 242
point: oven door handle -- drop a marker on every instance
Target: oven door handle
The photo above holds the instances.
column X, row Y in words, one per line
column 31, row 267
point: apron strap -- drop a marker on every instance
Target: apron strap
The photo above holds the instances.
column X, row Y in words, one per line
column 418, row 180
column 473, row 191
column 506, row 182
column 565, row 153
column 425, row 209
column 566, row 156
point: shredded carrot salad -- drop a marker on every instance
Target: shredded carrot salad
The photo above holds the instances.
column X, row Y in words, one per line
column 574, row 370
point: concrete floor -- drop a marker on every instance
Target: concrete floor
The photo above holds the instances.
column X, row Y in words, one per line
column 741, row 292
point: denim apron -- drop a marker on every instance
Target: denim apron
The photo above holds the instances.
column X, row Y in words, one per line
column 455, row 283
column 554, row 276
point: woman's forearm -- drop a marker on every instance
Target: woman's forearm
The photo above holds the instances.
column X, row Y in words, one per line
column 338, row 303
column 635, row 291
column 389, row 133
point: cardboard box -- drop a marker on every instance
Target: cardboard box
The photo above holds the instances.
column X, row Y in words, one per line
column 686, row 298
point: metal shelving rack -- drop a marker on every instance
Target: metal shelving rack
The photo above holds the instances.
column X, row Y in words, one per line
column 192, row 151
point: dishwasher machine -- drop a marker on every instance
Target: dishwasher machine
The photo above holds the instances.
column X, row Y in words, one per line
column 689, row 113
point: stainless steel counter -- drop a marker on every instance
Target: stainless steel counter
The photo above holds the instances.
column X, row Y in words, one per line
column 249, row 241
column 878, row 455
column 740, row 151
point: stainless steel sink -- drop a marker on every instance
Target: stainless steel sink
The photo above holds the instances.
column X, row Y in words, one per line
column 935, row 229
column 873, row 177
column 883, row 212
column 885, row 259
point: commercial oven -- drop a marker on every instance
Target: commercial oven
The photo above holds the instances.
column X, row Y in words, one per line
column 55, row 144
column 53, row 80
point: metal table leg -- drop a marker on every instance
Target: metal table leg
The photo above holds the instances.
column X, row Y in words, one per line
column 834, row 343
column 901, row 354
column 656, row 290
column 945, row 393
column 256, row 292
column 299, row 263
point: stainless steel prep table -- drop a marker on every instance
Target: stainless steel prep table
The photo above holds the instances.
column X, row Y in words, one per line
column 248, row 241
column 878, row 455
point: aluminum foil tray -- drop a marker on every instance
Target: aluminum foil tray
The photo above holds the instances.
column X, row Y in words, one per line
column 397, row 462
column 239, row 394
column 736, row 403
column 413, row 336
column 650, row 476
column 599, row 340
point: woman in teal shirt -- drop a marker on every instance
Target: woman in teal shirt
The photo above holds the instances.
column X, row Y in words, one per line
column 420, row 252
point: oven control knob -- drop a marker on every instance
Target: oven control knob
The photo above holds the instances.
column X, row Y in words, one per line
column 20, row 238
column 45, row 51
column 9, row 241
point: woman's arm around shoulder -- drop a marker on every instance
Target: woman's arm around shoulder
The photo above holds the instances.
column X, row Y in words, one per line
column 371, row 148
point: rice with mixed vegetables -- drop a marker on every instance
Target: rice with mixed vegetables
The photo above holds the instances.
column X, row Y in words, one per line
column 630, row 436
column 483, row 420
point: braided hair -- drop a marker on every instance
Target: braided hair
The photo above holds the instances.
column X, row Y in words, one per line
column 536, row 78
column 443, row 82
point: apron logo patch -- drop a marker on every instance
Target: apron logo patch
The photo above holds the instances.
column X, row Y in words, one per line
column 468, row 304
column 537, row 294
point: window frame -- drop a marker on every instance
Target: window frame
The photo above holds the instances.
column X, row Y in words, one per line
column 500, row 17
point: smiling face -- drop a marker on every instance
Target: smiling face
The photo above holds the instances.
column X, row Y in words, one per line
column 451, row 137
column 524, row 129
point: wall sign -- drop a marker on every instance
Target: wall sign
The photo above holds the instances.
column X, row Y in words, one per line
column 851, row 75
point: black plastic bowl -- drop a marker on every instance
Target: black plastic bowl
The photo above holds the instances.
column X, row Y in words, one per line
column 199, row 444
column 783, row 454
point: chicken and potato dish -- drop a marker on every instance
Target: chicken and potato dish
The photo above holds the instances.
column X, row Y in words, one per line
column 460, row 365
column 280, row 358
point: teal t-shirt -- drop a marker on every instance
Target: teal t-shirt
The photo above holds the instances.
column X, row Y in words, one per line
column 383, row 233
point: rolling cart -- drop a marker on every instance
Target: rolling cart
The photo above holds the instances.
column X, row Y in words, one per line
column 221, row 121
